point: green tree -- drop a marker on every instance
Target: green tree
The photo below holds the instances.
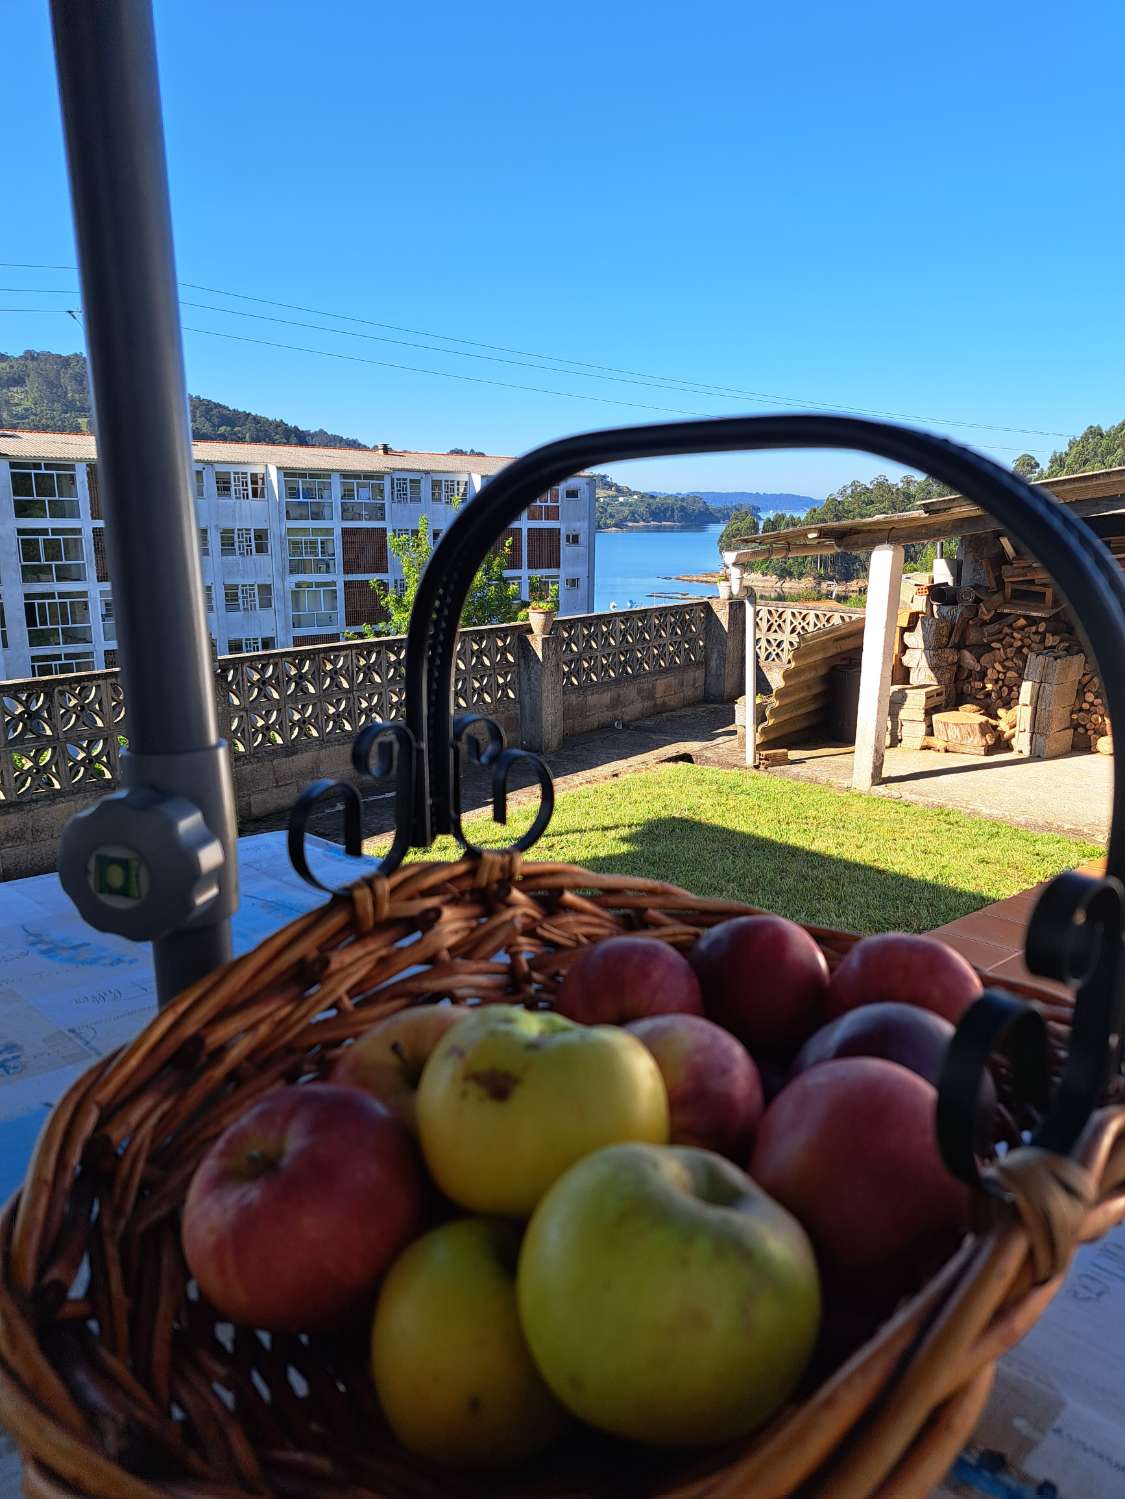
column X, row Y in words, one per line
column 493, row 599
column 1098, row 447
column 1027, row 466
column 742, row 526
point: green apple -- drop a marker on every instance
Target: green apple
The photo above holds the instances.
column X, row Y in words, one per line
column 665, row 1297
column 450, row 1363
column 510, row 1098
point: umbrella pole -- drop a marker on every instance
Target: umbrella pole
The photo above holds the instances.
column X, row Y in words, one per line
column 156, row 860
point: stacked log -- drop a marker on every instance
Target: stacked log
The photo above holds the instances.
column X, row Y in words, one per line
column 992, row 656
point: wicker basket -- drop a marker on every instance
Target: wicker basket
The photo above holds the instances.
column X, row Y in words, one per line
column 117, row 1382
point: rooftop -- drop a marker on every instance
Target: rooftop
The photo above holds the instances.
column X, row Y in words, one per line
column 1100, row 492
column 80, row 447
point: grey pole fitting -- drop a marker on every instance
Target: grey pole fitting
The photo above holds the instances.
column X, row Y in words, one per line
column 156, row 861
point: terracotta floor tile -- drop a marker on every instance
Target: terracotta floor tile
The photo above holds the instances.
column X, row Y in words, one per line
column 984, row 954
column 1014, row 968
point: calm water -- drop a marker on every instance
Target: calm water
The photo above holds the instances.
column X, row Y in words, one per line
column 633, row 566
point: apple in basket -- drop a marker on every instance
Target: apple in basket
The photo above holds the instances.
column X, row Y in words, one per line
column 714, row 1090
column 452, row 1368
column 387, row 1060
column 300, row 1206
column 850, row 1148
column 764, row 979
column 665, row 1297
column 901, row 968
column 511, row 1097
column 622, row 978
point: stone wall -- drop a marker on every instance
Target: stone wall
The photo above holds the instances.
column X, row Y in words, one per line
column 290, row 715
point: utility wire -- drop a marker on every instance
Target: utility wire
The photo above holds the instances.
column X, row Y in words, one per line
column 578, row 366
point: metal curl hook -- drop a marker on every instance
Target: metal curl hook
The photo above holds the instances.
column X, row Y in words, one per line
column 501, row 760
column 394, row 749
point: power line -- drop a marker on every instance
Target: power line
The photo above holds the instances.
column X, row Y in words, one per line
column 578, row 366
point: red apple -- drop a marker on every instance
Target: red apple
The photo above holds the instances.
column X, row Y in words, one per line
column 714, row 1092
column 300, row 1206
column 850, row 1148
column 764, row 979
column 387, row 1060
column 624, row 978
column 900, row 968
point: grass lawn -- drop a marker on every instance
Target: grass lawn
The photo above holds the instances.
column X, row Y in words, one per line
column 839, row 858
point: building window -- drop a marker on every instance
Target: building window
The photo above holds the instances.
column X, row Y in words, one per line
column 546, row 508
column 109, row 623
column 52, row 557
column 252, row 643
column 233, row 484
column 240, row 597
column 243, row 541
column 313, row 606
column 204, row 542
column 573, row 539
column 436, row 535
column 44, row 491
column 573, row 583
column 57, row 619
column 407, row 491
column 543, row 547
column 308, row 496
column 62, row 663
column 311, row 550
column 448, row 491
column 363, row 497
column 209, row 597
column 3, row 628
column 399, row 586
column 199, row 484
column 572, row 494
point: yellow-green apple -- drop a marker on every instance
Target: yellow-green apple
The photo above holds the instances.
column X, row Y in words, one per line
column 850, row 1147
column 764, row 979
column 901, row 968
column 300, row 1206
column 511, row 1097
column 665, row 1298
column 623, row 978
column 451, row 1365
column 714, row 1091
column 387, row 1060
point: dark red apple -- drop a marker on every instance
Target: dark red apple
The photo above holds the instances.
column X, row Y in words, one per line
column 714, row 1092
column 850, row 1148
column 764, row 979
column 901, row 968
column 624, row 978
column 300, row 1206
column 387, row 1060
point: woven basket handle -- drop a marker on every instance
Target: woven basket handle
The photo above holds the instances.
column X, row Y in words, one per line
column 1075, row 933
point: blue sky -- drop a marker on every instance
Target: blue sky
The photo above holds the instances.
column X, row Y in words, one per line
column 915, row 209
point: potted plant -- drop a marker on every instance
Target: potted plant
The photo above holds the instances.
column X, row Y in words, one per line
column 724, row 586
column 542, row 609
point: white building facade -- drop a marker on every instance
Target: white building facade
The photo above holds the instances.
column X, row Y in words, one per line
column 291, row 539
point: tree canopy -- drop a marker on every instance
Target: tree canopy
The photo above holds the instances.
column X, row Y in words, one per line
column 1097, row 447
column 493, row 599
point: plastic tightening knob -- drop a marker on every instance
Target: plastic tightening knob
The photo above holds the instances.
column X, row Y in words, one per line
column 140, row 863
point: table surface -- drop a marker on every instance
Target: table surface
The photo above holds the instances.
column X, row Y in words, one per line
column 69, row 994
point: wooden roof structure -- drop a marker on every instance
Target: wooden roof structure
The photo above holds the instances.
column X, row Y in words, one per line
column 1098, row 496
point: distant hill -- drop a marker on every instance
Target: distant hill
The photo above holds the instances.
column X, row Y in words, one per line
column 43, row 392
column 760, row 502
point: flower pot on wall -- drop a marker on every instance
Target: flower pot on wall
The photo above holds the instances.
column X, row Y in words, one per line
column 541, row 620
column 724, row 588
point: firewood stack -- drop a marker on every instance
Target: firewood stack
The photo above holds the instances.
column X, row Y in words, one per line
column 993, row 653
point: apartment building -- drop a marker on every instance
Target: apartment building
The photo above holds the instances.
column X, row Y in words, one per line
column 290, row 540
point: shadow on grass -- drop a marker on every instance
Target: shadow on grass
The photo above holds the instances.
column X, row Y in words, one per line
column 800, row 883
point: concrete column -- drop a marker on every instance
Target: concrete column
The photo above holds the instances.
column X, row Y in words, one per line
column 541, row 699
column 750, row 661
column 884, row 586
column 723, row 651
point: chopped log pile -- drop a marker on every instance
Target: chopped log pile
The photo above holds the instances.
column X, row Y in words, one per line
column 1019, row 669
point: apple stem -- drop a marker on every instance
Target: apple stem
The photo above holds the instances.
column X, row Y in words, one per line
column 399, row 1050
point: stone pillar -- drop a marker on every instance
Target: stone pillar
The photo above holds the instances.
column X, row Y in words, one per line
column 724, row 647
column 884, row 584
column 750, row 659
column 541, row 699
